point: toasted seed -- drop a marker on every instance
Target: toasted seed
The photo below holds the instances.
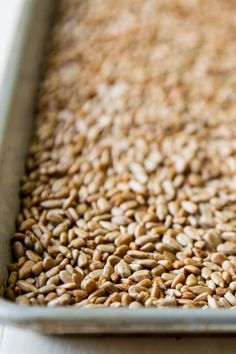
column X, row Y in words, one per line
column 228, row 266
column 25, row 286
column 230, row 298
column 180, row 278
column 22, row 300
column 82, row 260
column 27, row 224
column 217, row 279
column 121, row 251
column 228, row 248
column 26, row 269
column 60, row 301
column 121, row 220
column 212, row 303
column 61, row 228
column 135, row 304
column 192, row 269
column 51, row 204
column 108, row 225
column 206, row 272
column 47, row 289
column 95, row 274
column 161, row 211
column 232, row 285
column 18, row 249
column 167, row 302
column 53, row 271
column 137, row 187
column 146, row 263
column 218, row 258
column 77, row 243
column 33, row 256
column 65, row 276
column 108, row 270
column 190, row 207
column 37, row 268
column 123, row 269
column 140, row 275
column 198, row 289
column 142, row 240
column 12, row 279
column 88, row 285
column 123, row 240
column 137, row 254
column 106, row 248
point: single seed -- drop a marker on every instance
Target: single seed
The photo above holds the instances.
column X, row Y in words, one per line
column 18, row 249
column 26, row 269
column 22, row 300
column 123, row 269
column 60, row 301
column 140, row 275
column 25, row 286
column 230, row 298
column 89, row 285
column 190, row 207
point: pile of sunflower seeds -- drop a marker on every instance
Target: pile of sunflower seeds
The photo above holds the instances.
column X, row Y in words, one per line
column 129, row 196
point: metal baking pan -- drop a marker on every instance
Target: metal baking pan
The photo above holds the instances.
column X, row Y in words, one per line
column 16, row 117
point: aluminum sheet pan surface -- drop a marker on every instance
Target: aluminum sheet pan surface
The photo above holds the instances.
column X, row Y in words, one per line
column 16, row 118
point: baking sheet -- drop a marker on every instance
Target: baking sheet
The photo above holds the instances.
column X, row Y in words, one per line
column 16, row 115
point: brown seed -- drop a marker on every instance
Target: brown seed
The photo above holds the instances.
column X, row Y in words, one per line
column 167, row 302
column 217, row 279
column 228, row 248
column 26, row 269
column 218, row 258
column 77, row 243
column 88, row 285
column 142, row 240
column 206, row 273
column 22, row 300
column 26, row 286
column 230, row 298
column 82, row 260
column 106, row 248
column 121, row 250
column 27, row 224
column 18, row 249
column 47, row 289
column 123, row 240
column 33, row 256
column 232, row 285
column 212, row 303
column 180, row 278
column 37, row 268
column 135, row 304
column 60, row 301
column 53, row 280
column 48, row 263
column 190, row 207
column 146, row 263
column 140, row 275
column 65, row 276
column 53, row 271
column 123, row 269
column 198, row 289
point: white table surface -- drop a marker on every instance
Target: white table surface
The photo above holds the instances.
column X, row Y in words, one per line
column 18, row 341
